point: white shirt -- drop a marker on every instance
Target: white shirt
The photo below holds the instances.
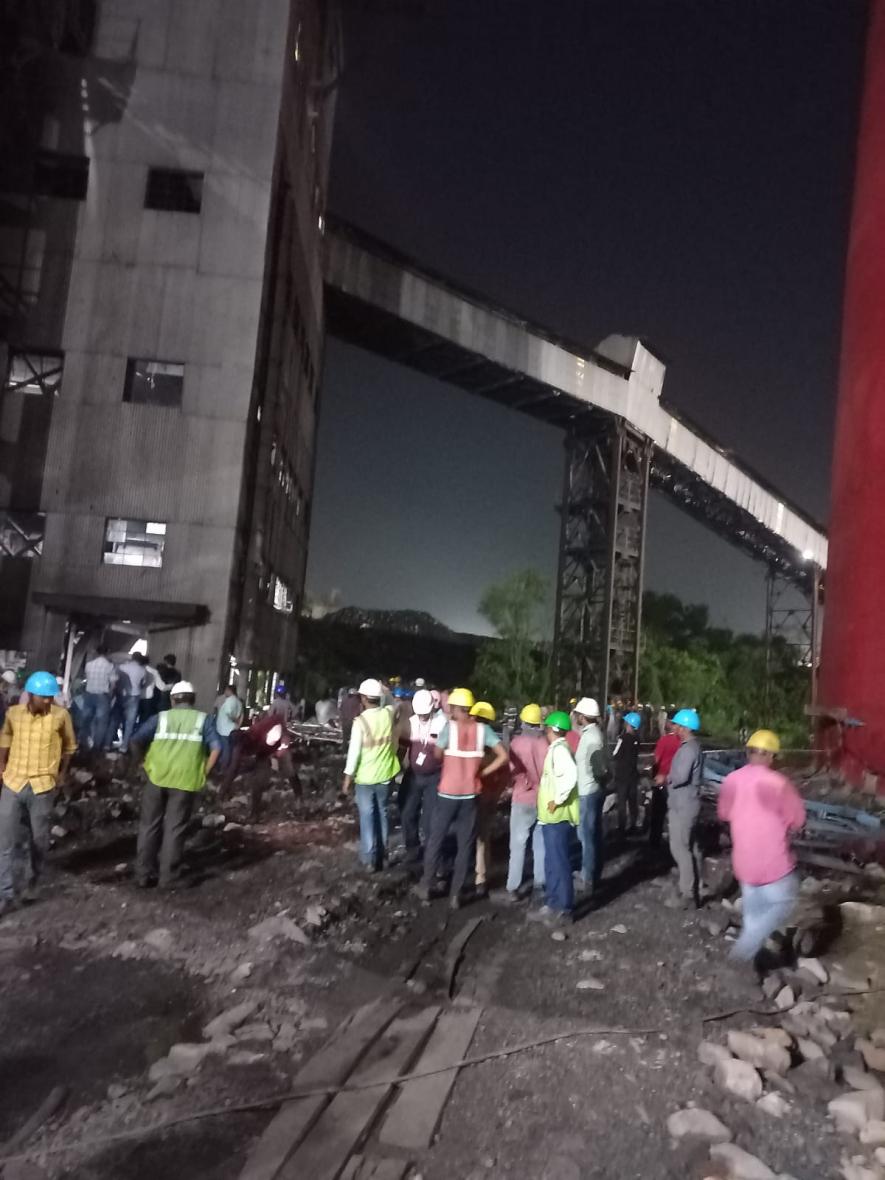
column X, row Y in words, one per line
column 100, row 674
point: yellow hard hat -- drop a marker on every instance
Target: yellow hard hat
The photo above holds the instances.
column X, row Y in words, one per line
column 572, row 702
column 764, row 739
column 463, row 697
column 484, row 710
column 531, row 715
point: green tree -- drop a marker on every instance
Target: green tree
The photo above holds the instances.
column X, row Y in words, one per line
column 514, row 667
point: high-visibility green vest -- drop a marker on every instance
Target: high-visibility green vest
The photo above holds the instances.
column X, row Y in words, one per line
column 177, row 756
column 378, row 762
column 570, row 811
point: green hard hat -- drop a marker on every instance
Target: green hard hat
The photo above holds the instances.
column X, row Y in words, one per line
column 559, row 720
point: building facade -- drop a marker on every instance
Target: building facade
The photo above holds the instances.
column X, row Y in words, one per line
column 161, row 319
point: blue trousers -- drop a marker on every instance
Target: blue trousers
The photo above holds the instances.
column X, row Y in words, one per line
column 560, row 888
column 94, row 719
column 764, row 909
column 371, row 802
column 590, row 835
column 523, row 824
column 130, row 719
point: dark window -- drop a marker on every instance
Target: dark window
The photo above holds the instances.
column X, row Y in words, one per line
column 134, row 542
column 34, row 372
column 174, row 190
column 154, row 383
column 58, row 175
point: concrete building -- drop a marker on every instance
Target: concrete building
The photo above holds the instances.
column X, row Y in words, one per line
column 161, row 327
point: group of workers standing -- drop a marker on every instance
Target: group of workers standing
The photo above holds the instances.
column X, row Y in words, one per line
column 456, row 770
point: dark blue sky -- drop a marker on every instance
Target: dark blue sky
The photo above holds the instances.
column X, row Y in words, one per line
column 675, row 169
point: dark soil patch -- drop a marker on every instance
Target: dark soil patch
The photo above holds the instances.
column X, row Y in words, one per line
column 68, row 1020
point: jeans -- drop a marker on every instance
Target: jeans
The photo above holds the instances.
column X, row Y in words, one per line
column 94, row 719
column 524, row 823
column 560, row 888
column 371, row 801
column 590, row 835
column 765, row 908
column 36, row 812
column 684, row 807
column 130, row 717
column 162, row 827
column 459, row 814
column 416, row 810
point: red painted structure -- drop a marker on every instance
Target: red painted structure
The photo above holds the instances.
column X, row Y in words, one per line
column 852, row 674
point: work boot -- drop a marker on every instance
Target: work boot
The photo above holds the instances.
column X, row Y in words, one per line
column 480, row 892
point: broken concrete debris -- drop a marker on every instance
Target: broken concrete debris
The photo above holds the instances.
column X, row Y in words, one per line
column 739, row 1078
column 695, row 1123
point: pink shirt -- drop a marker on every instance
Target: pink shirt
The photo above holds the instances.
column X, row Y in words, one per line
column 527, row 754
column 763, row 807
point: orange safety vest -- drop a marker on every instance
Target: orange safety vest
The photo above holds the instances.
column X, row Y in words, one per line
column 462, row 760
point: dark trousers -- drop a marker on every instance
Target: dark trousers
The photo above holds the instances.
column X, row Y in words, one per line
column 165, row 815
column 628, row 802
column 460, row 815
column 19, row 808
column 657, row 817
column 416, row 809
column 559, row 885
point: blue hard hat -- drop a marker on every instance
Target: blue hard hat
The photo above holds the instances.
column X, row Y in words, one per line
column 41, row 684
column 688, row 718
column 633, row 719
column 398, row 693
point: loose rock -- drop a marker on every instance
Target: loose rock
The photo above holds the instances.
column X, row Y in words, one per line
column 695, row 1123
column 760, row 1052
column 590, row 985
column 160, row 939
column 773, row 1104
column 739, row 1078
column 873, row 1134
column 740, row 1164
column 873, row 1057
column 230, row 1019
column 164, row 1088
column 278, row 926
column 809, row 1049
column 815, row 968
column 854, row 1110
column 709, row 1053
column 785, row 998
column 859, row 1079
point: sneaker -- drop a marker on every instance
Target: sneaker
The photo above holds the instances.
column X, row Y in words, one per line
column 512, row 897
column 422, row 892
column 481, row 892
column 455, row 902
column 544, row 914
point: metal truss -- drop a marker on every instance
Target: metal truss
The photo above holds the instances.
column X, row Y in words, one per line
column 793, row 617
column 599, row 583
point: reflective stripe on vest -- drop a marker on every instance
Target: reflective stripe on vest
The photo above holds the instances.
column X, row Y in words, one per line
column 378, row 762
column 461, row 766
column 177, row 756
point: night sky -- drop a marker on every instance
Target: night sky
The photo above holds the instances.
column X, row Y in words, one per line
column 678, row 170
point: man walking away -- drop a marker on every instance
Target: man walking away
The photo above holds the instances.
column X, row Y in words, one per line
column 463, row 741
column 183, row 749
column 558, row 813
column 591, row 792
column 625, row 762
column 763, row 807
column 36, row 745
column 665, row 751
column 131, row 676
column 371, row 766
column 528, row 750
column 684, row 807
column 423, row 770
column 493, row 787
column 228, row 717
column 101, row 676
column 170, row 675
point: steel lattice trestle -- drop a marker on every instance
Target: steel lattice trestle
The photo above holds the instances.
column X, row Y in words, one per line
column 599, row 584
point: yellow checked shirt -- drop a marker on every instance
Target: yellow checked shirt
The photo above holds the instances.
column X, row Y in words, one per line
column 36, row 746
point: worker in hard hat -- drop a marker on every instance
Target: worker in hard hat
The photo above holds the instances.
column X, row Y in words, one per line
column 422, row 763
column 371, row 766
column 183, row 747
column 593, row 771
column 558, row 813
column 762, row 807
column 488, row 800
column 665, row 751
column 528, row 750
column 684, row 808
column 625, row 773
column 463, row 742
column 37, row 743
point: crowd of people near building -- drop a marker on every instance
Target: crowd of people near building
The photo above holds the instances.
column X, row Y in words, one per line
column 450, row 767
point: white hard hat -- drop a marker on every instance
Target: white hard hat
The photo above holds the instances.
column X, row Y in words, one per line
column 183, row 688
column 587, row 707
column 422, row 702
column 8, row 677
column 371, row 688
column 420, row 682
